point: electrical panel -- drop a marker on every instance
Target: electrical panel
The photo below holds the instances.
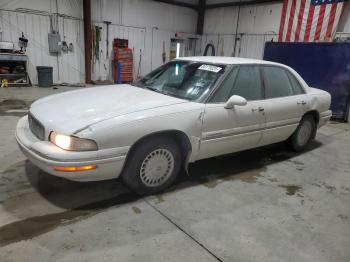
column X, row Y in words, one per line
column 54, row 43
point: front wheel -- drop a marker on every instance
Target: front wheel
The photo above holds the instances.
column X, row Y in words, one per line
column 153, row 165
column 304, row 134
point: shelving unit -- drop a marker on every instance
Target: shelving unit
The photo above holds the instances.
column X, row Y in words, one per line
column 12, row 60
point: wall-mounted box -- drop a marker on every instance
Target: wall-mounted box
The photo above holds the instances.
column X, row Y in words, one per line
column 54, row 43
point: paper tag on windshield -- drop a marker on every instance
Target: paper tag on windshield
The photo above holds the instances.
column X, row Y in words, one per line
column 210, row 68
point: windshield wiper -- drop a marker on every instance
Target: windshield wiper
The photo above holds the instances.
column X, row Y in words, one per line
column 164, row 92
column 153, row 89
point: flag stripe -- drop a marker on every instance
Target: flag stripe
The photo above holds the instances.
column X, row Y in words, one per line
column 320, row 22
column 283, row 20
column 340, row 8
column 295, row 20
column 290, row 21
column 300, row 20
column 309, row 23
column 331, row 20
column 303, row 24
column 325, row 22
column 289, row 6
column 314, row 23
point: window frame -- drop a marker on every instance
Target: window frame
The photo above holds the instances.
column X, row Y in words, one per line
column 289, row 75
column 239, row 66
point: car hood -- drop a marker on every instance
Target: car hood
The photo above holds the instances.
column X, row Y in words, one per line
column 69, row 112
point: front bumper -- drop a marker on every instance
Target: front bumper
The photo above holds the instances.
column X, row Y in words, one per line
column 46, row 155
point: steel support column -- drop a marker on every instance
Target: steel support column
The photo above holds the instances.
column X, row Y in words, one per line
column 200, row 17
column 87, row 39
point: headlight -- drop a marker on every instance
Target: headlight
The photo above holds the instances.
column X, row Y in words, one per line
column 72, row 143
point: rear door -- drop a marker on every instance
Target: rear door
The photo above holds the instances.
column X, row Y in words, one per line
column 285, row 103
column 230, row 130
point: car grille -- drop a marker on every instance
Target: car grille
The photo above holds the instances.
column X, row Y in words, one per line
column 36, row 127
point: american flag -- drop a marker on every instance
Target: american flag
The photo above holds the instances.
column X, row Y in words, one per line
column 309, row 20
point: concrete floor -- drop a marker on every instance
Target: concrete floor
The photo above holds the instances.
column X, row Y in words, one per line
column 267, row 204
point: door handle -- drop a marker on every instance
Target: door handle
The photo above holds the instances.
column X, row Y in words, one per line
column 260, row 109
column 301, row 102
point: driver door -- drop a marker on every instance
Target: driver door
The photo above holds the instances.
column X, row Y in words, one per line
column 229, row 130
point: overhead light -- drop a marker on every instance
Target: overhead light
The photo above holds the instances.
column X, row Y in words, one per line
column 178, row 50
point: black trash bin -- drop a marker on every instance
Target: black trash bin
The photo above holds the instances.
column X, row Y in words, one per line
column 44, row 76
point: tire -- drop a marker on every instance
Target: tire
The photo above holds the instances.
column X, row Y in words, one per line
column 304, row 134
column 153, row 165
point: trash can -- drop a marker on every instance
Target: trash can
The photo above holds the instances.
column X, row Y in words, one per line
column 44, row 76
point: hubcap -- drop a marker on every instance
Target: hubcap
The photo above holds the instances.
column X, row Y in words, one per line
column 304, row 133
column 157, row 167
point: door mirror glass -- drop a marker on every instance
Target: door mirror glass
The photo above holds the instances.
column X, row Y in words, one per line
column 235, row 101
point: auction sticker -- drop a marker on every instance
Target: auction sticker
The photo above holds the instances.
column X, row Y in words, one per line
column 210, row 68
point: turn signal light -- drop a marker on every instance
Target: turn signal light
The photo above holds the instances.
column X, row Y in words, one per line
column 74, row 168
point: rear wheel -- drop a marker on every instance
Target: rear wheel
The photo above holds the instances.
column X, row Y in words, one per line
column 304, row 133
column 153, row 165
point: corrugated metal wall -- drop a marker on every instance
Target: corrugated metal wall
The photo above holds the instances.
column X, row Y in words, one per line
column 102, row 68
column 252, row 46
column 257, row 24
column 134, row 20
column 68, row 67
column 147, row 24
column 247, row 45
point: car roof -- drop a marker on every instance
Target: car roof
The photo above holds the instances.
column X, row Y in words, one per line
column 226, row 60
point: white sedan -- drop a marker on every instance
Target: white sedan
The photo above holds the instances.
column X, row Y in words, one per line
column 186, row 110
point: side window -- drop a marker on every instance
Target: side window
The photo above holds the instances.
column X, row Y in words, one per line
column 248, row 83
column 295, row 85
column 223, row 93
column 277, row 82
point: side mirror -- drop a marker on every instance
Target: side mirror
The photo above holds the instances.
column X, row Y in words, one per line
column 235, row 101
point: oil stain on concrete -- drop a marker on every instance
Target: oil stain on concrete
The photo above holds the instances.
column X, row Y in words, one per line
column 249, row 176
column 330, row 188
column 15, row 167
column 136, row 210
column 14, row 107
column 35, row 226
column 13, row 181
column 160, row 199
column 291, row 190
column 345, row 188
column 343, row 216
column 245, row 166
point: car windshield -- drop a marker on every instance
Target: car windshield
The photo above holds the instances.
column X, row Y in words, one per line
column 182, row 79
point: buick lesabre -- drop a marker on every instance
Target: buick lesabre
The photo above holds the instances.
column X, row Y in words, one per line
column 186, row 110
